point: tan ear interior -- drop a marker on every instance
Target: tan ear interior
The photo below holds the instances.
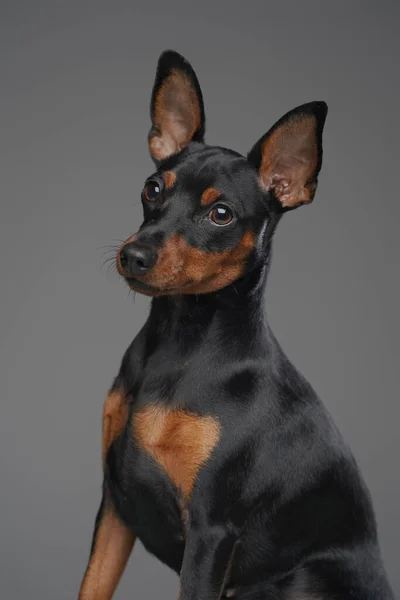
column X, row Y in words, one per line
column 290, row 160
column 177, row 115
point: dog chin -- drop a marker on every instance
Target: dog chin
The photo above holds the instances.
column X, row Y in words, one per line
column 143, row 288
column 150, row 290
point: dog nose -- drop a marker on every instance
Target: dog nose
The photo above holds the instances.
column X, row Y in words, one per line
column 137, row 259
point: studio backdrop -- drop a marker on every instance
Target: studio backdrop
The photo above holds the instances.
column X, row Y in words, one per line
column 75, row 81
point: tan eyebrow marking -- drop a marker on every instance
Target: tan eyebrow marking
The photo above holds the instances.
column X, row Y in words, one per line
column 169, row 179
column 209, row 195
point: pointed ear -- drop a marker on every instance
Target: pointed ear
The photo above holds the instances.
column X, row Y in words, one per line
column 289, row 157
column 176, row 109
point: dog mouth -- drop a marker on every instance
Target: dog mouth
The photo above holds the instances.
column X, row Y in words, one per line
column 166, row 290
column 150, row 290
column 169, row 289
column 140, row 286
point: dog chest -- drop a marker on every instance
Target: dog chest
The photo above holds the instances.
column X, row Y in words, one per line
column 180, row 442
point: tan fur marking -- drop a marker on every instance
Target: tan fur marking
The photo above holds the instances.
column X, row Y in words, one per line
column 115, row 416
column 289, row 160
column 169, row 179
column 176, row 115
column 113, row 545
column 181, row 268
column 180, row 442
column 209, row 195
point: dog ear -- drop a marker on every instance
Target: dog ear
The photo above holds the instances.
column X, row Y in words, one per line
column 176, row 109
column 289, row 156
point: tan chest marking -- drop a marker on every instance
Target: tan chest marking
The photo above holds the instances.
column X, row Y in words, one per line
column 115, row 416
column 179, row 441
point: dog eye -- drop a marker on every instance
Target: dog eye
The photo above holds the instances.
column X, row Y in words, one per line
column 152, row 191
column 221, row 215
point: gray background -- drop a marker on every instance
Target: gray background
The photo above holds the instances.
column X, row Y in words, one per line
column 75, row 87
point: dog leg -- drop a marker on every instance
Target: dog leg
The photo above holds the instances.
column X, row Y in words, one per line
column 112, row 539
column 111, row 547
column 206, row 564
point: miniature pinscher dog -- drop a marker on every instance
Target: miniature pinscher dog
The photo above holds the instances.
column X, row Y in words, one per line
column 217, row 453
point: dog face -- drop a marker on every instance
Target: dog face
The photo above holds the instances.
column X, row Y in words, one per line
column 209, row 212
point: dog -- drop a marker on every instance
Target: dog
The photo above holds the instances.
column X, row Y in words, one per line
column 217, row 453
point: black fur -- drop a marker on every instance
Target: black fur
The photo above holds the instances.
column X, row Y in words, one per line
column 281, row 488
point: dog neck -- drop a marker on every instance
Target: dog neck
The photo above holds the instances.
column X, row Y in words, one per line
column 184, row 321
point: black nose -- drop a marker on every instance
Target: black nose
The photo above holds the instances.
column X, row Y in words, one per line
column 137, row 259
